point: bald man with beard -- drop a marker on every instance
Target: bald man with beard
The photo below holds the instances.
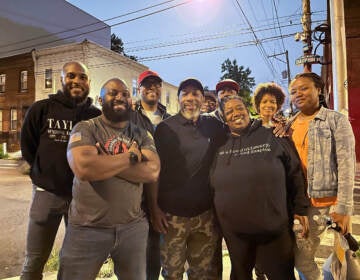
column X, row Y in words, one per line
column 111, row 158
column 44, row 138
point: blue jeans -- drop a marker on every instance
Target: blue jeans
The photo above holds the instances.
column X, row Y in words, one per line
column 153, row 266
column 86, row 248
column 46, row 212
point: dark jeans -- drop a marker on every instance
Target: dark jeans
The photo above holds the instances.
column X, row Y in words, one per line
column 273, row 256
column 86, row 248
column 46, row 212
column 153, row 265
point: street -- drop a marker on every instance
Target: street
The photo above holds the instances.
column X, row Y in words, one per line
column 15, row 195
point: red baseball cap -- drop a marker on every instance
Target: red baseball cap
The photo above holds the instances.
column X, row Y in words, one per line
column 147, row 74
column 227, row 83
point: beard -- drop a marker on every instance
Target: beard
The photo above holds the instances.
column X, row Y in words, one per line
column 118, row 115
column 77, row 98
column 193, row 113
column 148, row 101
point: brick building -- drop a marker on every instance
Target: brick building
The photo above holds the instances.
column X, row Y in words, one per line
column 17, row 93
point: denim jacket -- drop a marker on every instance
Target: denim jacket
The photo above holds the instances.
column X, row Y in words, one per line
column 331, row 159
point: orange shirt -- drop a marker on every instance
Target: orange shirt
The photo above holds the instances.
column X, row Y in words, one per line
column 300, row 138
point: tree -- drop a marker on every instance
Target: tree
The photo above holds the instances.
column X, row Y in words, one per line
column 117, row 45
column 231, row 70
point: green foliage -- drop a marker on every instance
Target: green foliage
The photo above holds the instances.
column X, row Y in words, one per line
column 2, row 154
column 106, row 271
column 231, row 70
column 117, row 45
column 53, row 262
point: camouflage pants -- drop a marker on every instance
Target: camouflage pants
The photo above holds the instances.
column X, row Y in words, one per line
column 193, row 240
column 305, row 256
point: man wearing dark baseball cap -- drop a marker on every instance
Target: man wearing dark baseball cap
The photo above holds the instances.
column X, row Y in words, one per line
column 191, row 82
column 185, row 143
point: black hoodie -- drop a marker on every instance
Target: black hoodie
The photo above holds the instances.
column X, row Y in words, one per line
column 44, row 138
column 258, row 182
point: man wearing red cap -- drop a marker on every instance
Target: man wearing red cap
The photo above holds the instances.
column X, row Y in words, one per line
column 149, row 112
column 226, row 87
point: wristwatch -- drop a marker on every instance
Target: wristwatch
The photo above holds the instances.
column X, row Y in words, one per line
column 133, row 158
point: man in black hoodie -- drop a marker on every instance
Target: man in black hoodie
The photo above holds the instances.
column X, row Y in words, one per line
column 44, row 138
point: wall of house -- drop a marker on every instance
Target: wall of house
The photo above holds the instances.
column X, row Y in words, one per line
column 15, row 98
column 26, row 25
column 352, row 30
column 103, row 64
column 352, row 27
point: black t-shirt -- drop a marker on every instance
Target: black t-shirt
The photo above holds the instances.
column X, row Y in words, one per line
column 186, row 151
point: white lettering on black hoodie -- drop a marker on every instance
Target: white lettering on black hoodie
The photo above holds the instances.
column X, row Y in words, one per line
column 44, row 138
column 258, row 182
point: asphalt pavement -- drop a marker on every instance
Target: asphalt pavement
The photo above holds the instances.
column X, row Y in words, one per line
column 15, row 197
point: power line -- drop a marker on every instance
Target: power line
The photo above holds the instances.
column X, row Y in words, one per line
column 98, row 29
column 192, row 40
column 258, row 43
column 196, row 33
column 277, row 18
column 168, row 55
column 87, row 25
column 214, row 48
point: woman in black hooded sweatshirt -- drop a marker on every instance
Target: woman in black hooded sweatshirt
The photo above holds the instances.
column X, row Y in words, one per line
column 259, row 188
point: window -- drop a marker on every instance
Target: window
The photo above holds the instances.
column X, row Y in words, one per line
column 1, row 121
column 167, row 99
column 134, row 88
column 13, row 119
column 48, row 78
column 23, row 80
column 2, row 82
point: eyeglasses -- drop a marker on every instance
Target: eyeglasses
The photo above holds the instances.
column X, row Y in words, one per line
column 151, row 83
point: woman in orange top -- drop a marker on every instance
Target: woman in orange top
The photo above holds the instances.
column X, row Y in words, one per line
column 326, row 145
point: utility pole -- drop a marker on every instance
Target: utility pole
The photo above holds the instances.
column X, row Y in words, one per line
column 286, row 53
column 288, row 67
column 339, row 62
column 306, row 24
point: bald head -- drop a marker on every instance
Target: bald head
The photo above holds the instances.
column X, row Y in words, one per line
column 115, row 100
column 71, row 64
column 112, row 83
column 75, row 81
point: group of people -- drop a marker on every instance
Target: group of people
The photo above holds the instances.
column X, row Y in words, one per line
column 159, row 193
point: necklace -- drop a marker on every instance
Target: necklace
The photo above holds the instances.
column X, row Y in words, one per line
column 304, row 117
